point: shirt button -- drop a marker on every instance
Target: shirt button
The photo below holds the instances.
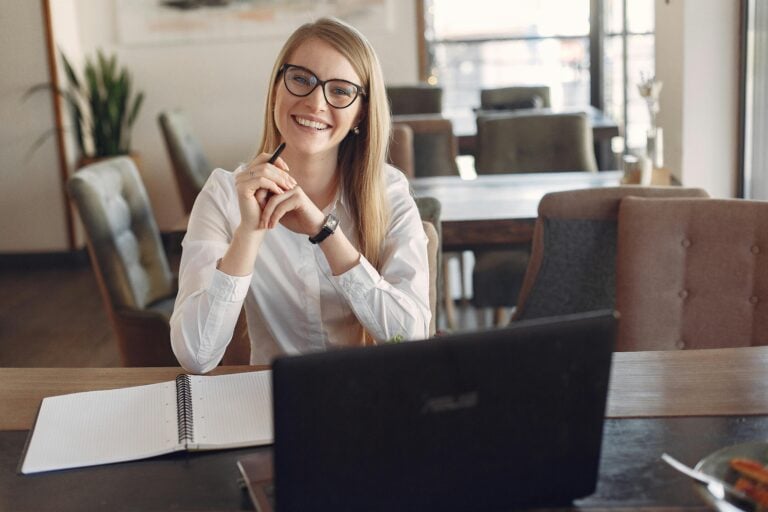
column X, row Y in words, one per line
column 755, row 249
column 683, row 294
column 680, row 344
column 753, row 299
column 685, row 243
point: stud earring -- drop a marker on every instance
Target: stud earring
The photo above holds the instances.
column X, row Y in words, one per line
column 356, row 130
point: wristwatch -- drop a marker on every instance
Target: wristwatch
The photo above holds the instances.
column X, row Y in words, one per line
column 329, row 226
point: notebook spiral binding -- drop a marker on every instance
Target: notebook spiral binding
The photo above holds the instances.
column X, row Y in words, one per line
column 184, row 418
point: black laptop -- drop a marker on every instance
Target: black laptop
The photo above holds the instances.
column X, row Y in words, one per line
column 482, row 421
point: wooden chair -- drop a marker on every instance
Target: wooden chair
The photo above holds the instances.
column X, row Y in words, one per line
column 572, row 268
column 190, row 166
column 692, row 273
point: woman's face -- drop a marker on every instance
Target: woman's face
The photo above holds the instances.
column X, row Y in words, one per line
column 308, row 124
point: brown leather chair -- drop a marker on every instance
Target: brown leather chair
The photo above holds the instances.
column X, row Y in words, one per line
column 190, row 166
column 415, row 99
column 572, row 268
column 692, row 273
column 515, row 97
column 509, row 143
column 400, row 152
column 135, row 280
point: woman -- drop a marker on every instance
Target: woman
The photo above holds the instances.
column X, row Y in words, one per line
column 325, row 246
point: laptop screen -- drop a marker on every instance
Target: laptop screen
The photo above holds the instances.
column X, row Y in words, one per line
column 487, row 420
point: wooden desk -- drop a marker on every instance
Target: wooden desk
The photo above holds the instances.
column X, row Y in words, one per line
column 687, row 402
column 497, row 210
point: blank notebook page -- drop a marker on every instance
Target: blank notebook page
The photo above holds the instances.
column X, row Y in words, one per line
column 100, row 427
column 232, row 410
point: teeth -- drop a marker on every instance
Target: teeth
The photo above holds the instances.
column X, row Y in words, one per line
column 311, row 124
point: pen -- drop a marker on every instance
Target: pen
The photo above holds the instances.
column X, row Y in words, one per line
column 277, row 152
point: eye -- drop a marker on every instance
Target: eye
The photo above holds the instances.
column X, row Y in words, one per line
column 343, row 90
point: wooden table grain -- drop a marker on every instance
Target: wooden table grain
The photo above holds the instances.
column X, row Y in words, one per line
column 711, row 382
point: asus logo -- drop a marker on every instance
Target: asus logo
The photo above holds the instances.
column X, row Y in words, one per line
column 449, row 403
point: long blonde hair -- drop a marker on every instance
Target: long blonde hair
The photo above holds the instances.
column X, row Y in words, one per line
column 361, row 156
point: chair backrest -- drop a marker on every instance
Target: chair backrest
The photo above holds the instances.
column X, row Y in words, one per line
column 572, row 268
column 415, row 99
column 135, row 279
column 400, row 152
column 433, row 244
column 515, row 97
column 434, row 145
column 190, row 166
column 510, row 142
column 692, row 273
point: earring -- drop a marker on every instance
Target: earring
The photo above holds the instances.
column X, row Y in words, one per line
column 356, row 130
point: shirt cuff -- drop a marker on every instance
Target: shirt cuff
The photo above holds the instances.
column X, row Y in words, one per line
column 359, row 280
column 229, row 288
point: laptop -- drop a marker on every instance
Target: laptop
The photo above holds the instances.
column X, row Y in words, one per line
column 481, row 421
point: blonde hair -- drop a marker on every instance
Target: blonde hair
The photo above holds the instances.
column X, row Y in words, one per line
column 361, row 156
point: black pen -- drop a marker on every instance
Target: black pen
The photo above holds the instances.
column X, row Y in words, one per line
column 276, row 154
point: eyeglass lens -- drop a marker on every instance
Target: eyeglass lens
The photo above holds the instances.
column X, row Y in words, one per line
column 338, row 93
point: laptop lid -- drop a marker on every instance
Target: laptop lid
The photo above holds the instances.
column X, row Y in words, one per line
column 489, row 420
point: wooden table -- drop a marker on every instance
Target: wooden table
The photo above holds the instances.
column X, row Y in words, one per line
column 498, row 210
column 689, row 402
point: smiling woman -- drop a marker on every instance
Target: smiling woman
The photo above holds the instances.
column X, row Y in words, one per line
column 324, row 245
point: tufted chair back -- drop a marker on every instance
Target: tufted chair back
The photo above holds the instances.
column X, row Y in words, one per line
column 124, row 243
column 572, row 268
column 415, row 99
column 692, row 273
column 515, row 97
column 515, row 142
column 190, row 166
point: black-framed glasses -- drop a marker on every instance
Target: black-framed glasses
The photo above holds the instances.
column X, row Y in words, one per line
column 301, row 82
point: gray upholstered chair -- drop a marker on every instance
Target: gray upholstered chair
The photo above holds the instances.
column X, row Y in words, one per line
column 415, row 99
column 692, row 273
column 525, row 142
column 433, row 248
column 509, row 143
column 515, row 97
column 429, row 210
column 434, row 145
column 572, row 268
column 190, row 166
column 400, row 153
column 131, row 267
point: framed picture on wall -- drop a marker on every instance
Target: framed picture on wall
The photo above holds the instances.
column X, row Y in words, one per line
column 178, row 21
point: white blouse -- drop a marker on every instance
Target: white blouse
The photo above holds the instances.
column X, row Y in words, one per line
column 303, row 306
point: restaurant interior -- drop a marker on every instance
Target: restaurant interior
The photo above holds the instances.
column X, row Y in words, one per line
column 565, row 156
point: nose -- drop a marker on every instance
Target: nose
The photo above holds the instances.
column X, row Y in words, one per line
column 316, row 99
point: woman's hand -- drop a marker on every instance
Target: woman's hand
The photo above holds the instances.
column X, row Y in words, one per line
column 294, row 210
column 255, row 183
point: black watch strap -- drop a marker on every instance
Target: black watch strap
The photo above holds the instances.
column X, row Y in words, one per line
column 329, row 226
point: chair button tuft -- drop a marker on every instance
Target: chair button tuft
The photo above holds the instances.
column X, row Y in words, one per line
column 680, row 344
column 683, row 294
column 686, row 243
column 755, row 249
column 753, row 299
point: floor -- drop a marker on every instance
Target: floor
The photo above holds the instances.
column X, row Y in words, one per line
column 52, row 316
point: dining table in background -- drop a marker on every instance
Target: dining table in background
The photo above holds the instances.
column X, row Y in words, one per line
column 493, row 211
column 687, row 403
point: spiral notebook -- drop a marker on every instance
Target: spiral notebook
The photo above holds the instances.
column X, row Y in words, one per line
column 191, row 413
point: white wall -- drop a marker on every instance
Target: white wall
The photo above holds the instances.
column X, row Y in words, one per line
column 219, row 84
column 697, row 58
column 32, row 207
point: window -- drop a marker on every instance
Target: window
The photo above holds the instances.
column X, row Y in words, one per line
column 541, row 42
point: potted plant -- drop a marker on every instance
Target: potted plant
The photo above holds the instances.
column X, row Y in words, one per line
column 102, row 105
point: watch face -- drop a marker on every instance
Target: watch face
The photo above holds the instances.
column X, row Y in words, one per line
column 331, row 222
